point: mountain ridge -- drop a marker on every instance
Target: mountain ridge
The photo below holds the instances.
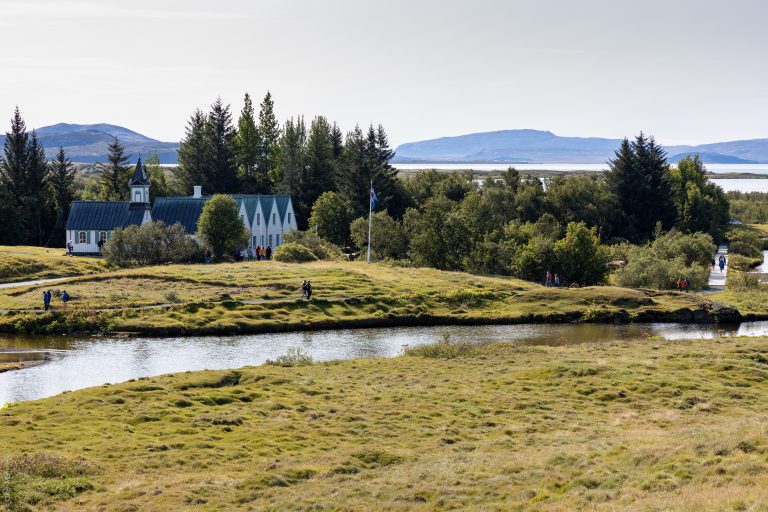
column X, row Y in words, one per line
column 540, row 146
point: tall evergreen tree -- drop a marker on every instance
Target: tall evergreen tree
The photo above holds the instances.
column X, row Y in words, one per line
column 269, row 136
column 61, row 180
column 36, row 204
column 318, row 170
column 16, row 157
column 624, row 183
column 222, row 170
column 194, row 154
column 292, row 147
column 114, row 176
column 248, row 148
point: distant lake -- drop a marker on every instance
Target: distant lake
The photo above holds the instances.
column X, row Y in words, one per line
column 715, row 168
column 728, row 185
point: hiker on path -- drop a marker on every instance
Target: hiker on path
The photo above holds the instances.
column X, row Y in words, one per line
column 309, row 290
column 100, row 244
column 304, row 289
column 207, row 255
column 713, row 263
column 64, row 297
column 258, row 254
column 680, row 284
column 548, row 279
column 686, row 284
column 268, row 252
column 70, row 247
column 557, row 280
column 47, row 300
column 722, row 264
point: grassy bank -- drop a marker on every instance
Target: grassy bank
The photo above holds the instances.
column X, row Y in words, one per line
column 263, row 296
column 21, row 263
column 624, row 426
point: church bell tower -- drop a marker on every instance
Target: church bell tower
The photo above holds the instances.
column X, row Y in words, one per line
column 139, row 184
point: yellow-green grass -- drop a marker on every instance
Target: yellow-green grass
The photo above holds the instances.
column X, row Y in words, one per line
column 264, row 296
column 644, row 425
column 21, row 263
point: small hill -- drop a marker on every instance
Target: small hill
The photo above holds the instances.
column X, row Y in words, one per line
column 536, row 146
column 87, row 143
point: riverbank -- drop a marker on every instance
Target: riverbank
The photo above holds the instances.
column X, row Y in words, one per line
column 638, row 425
column 18, row 365
column 260, row 297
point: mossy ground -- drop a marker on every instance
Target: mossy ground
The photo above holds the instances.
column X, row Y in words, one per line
column 264, row 296
column 622, row 426
column 21, row 263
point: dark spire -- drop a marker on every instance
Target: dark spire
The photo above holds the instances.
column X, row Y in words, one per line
column 139, row 176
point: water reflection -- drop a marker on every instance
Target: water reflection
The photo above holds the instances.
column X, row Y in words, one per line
column 76, row 363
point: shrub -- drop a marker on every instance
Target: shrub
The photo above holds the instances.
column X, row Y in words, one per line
column 330, row 217
column 294, row 357
column 387, row 238
column 579, row 257
column 738, row 280
column 153, row 243
column 646, row 270
column 323, row 249
column 443, row 349
column 294, row 253
column 220, row 227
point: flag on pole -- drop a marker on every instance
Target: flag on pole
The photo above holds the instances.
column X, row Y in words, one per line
column 374, row 199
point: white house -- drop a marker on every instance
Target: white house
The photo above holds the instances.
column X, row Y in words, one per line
column 92, row 221
column 266, row 217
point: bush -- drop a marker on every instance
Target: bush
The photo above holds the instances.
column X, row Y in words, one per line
column 387, row 238
column 443, row 349
column 321, row 248
column 330, row 217
column 220, row 227
column 153, row 243
column 294, row 357
column 579, row 257
column 738, row 280
column 646, row 270
column 294, row 253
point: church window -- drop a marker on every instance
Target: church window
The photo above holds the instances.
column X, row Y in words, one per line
column 82, row 237
column 289, row 217
column 103, row 236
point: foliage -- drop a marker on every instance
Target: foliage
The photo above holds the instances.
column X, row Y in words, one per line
column 319, row 168
column 321, row 248
column 745, row 241
column 295, row 356
column 426, row 184
column 749, row 207
column 445, row 348
column 292, row 252
column 269, row 136
column 437, row 234
column 248, row 148
column 158, row 184
column 701, row 205
column 331, row 217
column 114, row 175
column 741, row 280
column 579, row 258
column 194, row 151
column 387, row 238
column 220, row 228
column 152, row 243
column 220, row 137
column 61, row 179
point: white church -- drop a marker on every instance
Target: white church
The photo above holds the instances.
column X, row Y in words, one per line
column 266, row 217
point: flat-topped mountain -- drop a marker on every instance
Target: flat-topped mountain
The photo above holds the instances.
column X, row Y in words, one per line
column 535, row 146
column 87, row 143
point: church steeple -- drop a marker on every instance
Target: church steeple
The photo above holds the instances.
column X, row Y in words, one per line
column 139, row 184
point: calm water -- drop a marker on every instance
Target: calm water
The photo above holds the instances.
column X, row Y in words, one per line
column 76, row 363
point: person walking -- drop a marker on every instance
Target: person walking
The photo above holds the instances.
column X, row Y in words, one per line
column 548, row 279
column 680, row 283
column 268, row 252
column 309, row 290
column 686, row 284
column 207, row 255
column 557, row 280
column 258, row 253
column 722, row 264
column 64, row 297
column 304, row 289
column 70, row 247
column 100, row 245
column 46, row 300
column 713, row 263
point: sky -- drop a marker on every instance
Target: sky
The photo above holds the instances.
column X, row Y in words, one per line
column 685, row 71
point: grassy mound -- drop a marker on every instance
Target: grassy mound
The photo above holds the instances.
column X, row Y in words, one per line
column 33, row 263
column 624, row 426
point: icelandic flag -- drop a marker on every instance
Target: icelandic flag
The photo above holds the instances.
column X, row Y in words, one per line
column 374, row 199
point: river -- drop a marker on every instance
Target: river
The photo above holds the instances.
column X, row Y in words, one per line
column 76, row 363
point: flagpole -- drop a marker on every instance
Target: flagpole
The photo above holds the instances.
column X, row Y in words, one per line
column 370, row 208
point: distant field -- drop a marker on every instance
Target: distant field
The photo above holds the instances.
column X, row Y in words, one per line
column 623, row 426
column 264, row 296
column 22, row 263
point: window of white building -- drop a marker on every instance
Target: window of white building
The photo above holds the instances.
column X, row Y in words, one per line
column 289, row 217
column 103, row 236
column 274, row 218
column 82, row 237
column 258, row 219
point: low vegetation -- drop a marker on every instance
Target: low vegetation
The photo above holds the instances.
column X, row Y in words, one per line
column 153, row 243
column 641, row 425
column 292, row 252
column 22, row 263
column 265, row 296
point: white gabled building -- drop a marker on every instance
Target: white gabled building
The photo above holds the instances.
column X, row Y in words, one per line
column 266, row 217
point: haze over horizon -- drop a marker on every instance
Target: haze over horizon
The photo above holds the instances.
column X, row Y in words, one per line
column 423, row 69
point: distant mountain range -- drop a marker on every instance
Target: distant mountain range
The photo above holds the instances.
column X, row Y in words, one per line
column 535, row 146
column 87, row 143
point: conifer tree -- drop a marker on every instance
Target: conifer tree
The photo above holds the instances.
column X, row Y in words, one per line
column 220, row 134
column 318, row 170
column 114, row 176
column 36, row 204
column 248, row 148
column 16, row 157
column 158, row 185
column 625, row 183
column 292, row 147
column 194, row 154
column 269, row 136
column 61, row 180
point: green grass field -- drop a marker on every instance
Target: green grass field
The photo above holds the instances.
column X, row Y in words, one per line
column 20, row 263
column 264, row 296
column 644, row 425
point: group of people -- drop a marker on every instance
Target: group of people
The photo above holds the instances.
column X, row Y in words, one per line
column 683, row 284
column 551, row 280
column 263, row 253
column 48, row 295
column 306, row 290
column 721, row 262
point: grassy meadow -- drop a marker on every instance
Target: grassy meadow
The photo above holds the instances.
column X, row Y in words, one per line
column 264, row 296
column 21, row 263
column 645, row 425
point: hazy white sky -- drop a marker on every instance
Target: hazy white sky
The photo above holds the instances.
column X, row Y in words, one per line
column 687, row 71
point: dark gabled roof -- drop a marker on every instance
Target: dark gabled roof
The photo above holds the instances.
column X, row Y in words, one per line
column 139, row 176
column 282, row 206
column 185, row 210
column 105, row 215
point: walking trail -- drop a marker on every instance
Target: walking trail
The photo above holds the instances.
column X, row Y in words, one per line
column 717, row 278
column 33, row 283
